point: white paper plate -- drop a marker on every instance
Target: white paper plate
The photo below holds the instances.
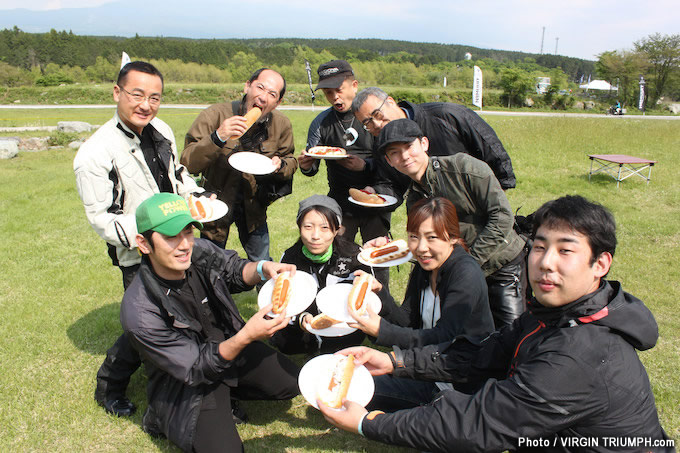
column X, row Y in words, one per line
column 336, row 330
column 331, row 157
column 325, row 156
column 303, row 292
column 397, row 262
column 332, row 300
column 317, row 372
column 219, row 209
column 389, row 201
column 253, row 163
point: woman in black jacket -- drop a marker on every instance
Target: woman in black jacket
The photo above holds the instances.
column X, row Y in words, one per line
column 446, row 297
column 446, row 294
column 331, row 259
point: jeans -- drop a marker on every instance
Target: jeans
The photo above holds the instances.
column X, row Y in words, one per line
column 393, row 393
column 255, row 243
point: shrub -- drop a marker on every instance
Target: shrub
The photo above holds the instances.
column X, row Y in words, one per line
column 60, row 138
column 54, row 79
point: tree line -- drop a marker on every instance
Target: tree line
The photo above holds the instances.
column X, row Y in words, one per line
column 61, row 57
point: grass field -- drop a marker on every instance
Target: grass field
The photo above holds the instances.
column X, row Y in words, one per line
column 60, row 296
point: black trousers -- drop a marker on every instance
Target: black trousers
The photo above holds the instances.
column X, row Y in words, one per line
column 507, row 291
column 121, row 361
column 263, row 374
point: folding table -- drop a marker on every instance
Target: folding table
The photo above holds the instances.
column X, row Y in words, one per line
column 627, row 166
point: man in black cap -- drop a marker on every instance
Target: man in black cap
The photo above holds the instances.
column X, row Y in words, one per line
column 484, row 213
column 337, row 126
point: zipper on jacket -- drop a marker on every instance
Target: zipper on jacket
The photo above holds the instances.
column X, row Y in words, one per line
column 541, row 325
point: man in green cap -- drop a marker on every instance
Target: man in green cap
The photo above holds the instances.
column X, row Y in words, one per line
column 197, row 349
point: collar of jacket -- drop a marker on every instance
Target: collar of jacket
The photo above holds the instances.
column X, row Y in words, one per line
column 163, row 145
column 412, row 110
column 609, row 306
column 588, row 305
column 428, row 185
column 446, row 268
column 203, row 262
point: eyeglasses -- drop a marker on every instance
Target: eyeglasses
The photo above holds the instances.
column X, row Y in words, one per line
column 154, row 99
column 271, row 93
column 375, row 116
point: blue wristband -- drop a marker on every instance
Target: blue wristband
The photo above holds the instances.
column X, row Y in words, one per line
column 360, row 423
column 259, row 270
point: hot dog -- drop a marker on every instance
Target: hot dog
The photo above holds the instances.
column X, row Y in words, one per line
column 366, row 197
column 326, row 151
column 356, row 301
column 388, row 252
column 281, row 293
column 322, row 321
column 336, row 390
column 252, row 116
column 199, row 209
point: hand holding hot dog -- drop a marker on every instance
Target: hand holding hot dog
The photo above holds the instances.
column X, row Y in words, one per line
column 376, row 362
column 369, row 323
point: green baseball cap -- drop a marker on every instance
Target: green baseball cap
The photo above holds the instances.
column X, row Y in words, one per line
column 165, row 213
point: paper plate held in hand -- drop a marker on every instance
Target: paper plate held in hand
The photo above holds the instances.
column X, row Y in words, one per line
column 253, row 163
column 332, row 300
column 389, row 201
column 217, row 210
column 317, row 373
column 303, row 292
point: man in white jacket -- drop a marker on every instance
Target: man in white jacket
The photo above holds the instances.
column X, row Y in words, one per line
column 127, row 160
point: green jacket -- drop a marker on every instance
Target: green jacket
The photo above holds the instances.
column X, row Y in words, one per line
column 484, row 212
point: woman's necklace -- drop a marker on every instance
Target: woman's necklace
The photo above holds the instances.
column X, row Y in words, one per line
column 350, row 135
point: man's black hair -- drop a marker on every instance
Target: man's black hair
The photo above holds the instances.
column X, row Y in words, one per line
column 257, row 73
column 592, row 220
column 139, row 66
column 148, row 236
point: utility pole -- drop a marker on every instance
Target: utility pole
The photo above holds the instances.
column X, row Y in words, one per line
column 542, row 38
column 556, row 41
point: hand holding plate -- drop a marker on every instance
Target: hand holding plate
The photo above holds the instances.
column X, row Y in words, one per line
column 347, row 419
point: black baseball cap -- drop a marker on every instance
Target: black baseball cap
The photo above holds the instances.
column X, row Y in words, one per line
column 333, row 73
column 402, row 130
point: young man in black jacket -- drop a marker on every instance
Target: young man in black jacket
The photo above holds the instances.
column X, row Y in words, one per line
column 198, row 351
column 563, row 376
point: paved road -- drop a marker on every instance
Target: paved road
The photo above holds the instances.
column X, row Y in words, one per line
column 320, row 108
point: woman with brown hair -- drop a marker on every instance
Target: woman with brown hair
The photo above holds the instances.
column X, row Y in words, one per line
column 446, row 294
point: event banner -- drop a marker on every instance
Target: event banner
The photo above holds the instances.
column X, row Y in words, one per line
column 641, row 100
column 477, row 88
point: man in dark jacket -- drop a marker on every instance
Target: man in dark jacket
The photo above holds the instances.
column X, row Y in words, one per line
column 564, row 377
column 451, row 128
column 197, row 350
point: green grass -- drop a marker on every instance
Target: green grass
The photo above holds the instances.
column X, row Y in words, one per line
column 59, row 295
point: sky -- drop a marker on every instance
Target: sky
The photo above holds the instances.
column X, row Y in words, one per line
column 583, row 29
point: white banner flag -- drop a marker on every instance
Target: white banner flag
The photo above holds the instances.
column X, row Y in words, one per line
column 125, row 59
column 477, row 88
column 641, row 99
